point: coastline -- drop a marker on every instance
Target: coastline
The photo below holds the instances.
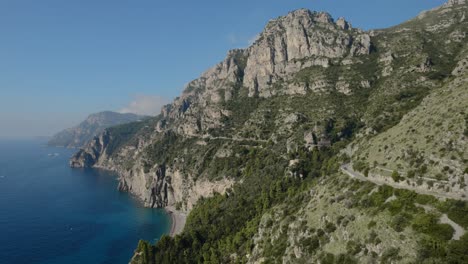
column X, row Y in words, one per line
column 178, row 220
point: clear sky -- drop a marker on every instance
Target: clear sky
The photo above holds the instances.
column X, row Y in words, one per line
column 61, row 60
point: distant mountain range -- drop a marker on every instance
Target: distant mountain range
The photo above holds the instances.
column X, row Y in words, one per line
column 93, row 125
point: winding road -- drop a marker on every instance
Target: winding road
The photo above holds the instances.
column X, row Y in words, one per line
column 444, row 219
column 459, row 231
column 346, row 168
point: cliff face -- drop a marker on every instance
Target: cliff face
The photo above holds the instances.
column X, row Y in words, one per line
column 159, row 186
column 94, row 124
column 164, row 186
column 94, row 151
column 299, row 40
column 307, row 82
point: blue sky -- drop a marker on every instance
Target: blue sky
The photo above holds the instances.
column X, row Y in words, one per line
column 62, row 60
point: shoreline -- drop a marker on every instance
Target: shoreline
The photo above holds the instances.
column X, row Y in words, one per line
column 178, row 219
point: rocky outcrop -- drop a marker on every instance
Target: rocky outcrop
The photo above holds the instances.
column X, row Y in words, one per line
column 288, row 44
column 462, row 67
column 159, row 186
column 90, row 155
column 343, row 24
column 451, row 3
column 164, row 186
column 198, row 108
column 299, row 40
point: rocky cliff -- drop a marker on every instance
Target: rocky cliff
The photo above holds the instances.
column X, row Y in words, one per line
column 299, row 40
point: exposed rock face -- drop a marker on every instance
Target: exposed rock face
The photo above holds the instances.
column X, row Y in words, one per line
column 300, row 35
column 195, row 112
column 288, row 44
column 343, row 24
column 160, row 186
column 151, row 187
column 197, row 109
column 79, row 135
column 343, row 87
column 455, row 2
column 361, row 45
column 229, row 71
column 91, row 154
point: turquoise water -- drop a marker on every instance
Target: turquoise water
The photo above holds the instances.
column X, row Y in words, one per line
column 50, row 213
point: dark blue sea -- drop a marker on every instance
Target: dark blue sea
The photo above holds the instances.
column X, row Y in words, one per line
column 50, row 213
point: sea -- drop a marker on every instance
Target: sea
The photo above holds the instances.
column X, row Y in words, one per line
column 51, row 213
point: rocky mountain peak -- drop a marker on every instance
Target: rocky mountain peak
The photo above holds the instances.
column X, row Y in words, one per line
column 300, row 16
column 343, row 24
column 288, row 44
column 455, row 2
column 306, row 17
column 301, row 39
column 303, row 13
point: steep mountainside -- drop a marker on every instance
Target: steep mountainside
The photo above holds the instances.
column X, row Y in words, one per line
column 428, row 148
column 253, row 148
column 94, row 124
column 255, row 98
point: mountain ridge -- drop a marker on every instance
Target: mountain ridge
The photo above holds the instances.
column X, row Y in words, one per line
column 201, row 109
column 259, row 132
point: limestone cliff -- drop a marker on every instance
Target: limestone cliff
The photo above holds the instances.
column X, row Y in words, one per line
column 159, row 185
column 299, row 40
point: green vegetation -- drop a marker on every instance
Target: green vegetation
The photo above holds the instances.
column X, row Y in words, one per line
column 428, row 224
column 289, row 202
column 436, row 243
column 225, row 224
column 457, row 211
column 361, row 167
column 220, row 229
column 396, row 176
column 123, row 134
